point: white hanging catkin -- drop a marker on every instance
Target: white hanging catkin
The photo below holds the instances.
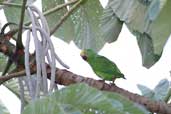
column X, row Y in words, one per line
column 27, row 66
column 37, row 49
column 43, row 49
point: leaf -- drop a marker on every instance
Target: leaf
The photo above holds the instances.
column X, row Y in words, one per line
column 83, row 26
column 82, row 99
column 110, row 25
column 86, row 25
column 158, row 93
column 3, row 109
column 147, row 49
column 128, row 107
column 161, row 89
column 66, row 31
column 146, row 17
column 161, row 28
column 147, row 92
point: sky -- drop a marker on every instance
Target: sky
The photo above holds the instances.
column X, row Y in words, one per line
column 124, row 52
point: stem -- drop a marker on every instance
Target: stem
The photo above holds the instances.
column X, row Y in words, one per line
column 19, row 37
column 11, row 4
column 66, row 15
column 58, row 7
column 14, row 75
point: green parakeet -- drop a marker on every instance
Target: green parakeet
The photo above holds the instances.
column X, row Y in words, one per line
column 103, row 67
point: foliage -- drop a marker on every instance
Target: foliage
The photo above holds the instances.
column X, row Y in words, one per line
column 91, row 26
column 82, row 99
column 146, row 19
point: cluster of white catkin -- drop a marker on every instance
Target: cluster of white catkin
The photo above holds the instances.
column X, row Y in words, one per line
column 44, row 50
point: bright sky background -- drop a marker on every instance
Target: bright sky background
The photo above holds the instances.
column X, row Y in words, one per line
column 124, row 52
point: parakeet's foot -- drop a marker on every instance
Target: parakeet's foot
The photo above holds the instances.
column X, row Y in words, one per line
column 113, row 82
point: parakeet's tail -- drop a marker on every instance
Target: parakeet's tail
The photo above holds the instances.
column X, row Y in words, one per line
column 122, row 76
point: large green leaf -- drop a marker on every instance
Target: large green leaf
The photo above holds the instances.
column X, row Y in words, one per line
column 161, row 28
column 147, row 49
column 82, row 99
column 87, row 25
column 149, row 17
column 3, row 109
column 66, row 31
column 110, row 25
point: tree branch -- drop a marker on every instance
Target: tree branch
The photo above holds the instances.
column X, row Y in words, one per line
column 14, row 75
column 64, row 77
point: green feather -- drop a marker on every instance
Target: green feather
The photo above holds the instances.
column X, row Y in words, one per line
column 103, row 67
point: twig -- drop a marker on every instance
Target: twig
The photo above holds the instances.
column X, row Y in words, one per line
column 66, row 15
column 11, row 76
column 11, row 4
column 14, row 75
column 58, row 7
column 19, row 37
column 50, row 11
column 5, row 26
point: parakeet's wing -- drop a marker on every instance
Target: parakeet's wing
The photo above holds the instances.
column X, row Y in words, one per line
column 105, row 68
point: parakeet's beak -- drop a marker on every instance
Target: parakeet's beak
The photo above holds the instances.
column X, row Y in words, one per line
column 83, row 55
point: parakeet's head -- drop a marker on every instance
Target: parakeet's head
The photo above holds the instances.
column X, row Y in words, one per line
column 87, row 54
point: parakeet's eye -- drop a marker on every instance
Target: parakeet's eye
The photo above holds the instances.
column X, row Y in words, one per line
column 84, row 57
